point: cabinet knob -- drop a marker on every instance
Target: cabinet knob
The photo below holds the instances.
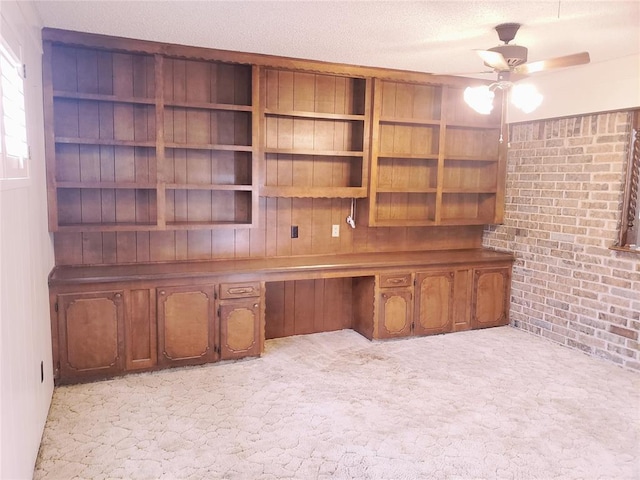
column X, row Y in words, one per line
column 384, row 295
column 118, row 295
column 255, row 305
column 162, row 292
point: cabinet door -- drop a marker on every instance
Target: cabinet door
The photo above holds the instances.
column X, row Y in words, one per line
column 395, row 313
column 240, row 328
column 490, row 300
column 91, row 328
column 434, row 303
column 186, row 325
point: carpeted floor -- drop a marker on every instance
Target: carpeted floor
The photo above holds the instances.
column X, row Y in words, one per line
column 496, row 403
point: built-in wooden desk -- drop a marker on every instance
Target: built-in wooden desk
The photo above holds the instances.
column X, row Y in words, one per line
column 108, row 320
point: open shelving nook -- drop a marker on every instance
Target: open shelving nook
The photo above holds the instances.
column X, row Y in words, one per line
column 316, row 134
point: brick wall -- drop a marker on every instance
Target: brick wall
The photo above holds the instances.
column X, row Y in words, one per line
column 563, row 203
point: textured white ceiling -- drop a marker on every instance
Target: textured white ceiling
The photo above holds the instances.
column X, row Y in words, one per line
column 427, row 36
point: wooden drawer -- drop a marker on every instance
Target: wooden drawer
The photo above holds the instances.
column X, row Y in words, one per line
column 239, row 290
column 395, row 280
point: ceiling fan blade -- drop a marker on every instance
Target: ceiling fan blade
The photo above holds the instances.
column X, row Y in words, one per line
column 493, row 59
column 467, row 74
column 551, row 63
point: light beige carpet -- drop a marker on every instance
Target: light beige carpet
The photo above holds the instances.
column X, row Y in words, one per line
column 497, row 403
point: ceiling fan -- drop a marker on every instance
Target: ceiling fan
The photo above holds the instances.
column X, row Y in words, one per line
column 510, row 63
column 513, row 58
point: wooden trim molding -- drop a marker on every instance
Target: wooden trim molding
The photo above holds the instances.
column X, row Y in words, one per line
column 93, row 40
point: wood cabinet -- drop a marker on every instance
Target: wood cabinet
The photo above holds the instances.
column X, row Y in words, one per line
column 434, row 292
column 90, row 339
column 395, row 305
column 491, row 297
column 109, row 320
column 433, row 162
column 241, row 320
column 316, row 134
column 186, row 325
column 157, row 158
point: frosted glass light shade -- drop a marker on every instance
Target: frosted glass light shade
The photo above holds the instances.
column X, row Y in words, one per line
column 525, row 97
column 479, row 98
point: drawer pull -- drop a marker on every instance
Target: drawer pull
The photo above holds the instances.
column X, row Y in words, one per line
column 395, row 280
column 239, row 290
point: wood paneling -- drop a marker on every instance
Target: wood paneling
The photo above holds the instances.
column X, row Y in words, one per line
column 307, row 306
column 271, row 238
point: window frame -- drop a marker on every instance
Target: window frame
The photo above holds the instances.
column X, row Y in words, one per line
column 16, row 61
column 629, row 234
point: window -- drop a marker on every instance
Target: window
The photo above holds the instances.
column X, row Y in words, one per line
column 630, row 225
column 14, row 150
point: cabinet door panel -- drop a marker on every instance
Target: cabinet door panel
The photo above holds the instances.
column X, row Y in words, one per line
column 141, row 331
column 434, row 303
column 490, row 302
column 91, row 334
column 186, row 325
column 239, row 329
column 395, row 313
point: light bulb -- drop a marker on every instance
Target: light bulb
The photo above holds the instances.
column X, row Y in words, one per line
column 526, row 97
column 479, row 98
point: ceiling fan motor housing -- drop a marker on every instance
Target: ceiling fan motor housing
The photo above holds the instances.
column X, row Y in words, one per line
column 514, row 54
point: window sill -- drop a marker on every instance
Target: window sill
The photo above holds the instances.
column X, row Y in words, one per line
column 627, row 248
column 14, row 183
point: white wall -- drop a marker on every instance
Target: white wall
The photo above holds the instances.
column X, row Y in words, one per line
column 26, row 257
column 595, row 87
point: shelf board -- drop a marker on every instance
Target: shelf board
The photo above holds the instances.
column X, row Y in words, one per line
column 403, row 222
column 107, row 227
column 319, row 153
column 194, row 225
column 100, row 97
column 410, row 121
column 313, row 192
column 208, row 106
column 313, row 115
column 108, row 185
column 474, row 125
column 468, row 158
column 465, row 221
column 471, row 190
column 106, row 142
column 409, row 156
column 405, row 190
column 212, row 187
column 209, row 146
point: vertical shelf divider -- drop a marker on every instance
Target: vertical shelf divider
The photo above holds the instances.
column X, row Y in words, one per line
column 442, row 141
column 257, row 147
column 375, row 150
column 160, row 160
column 49, row 137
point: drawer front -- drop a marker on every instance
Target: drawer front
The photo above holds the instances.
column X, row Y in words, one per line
column 395, row 280
column 239, row 290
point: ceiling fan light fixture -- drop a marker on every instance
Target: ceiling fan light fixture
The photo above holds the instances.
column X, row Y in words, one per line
column 480, row 98
column 525, row 97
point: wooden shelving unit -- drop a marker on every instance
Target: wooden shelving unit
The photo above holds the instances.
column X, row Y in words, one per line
column 153, row 141
column 148, row 142
column 433, row 163
column 315, row 135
